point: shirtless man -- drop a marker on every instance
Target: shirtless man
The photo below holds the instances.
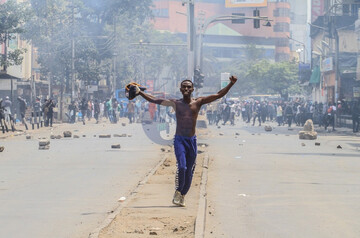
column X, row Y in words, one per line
column 187, row 110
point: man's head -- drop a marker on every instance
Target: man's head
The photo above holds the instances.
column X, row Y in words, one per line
column 186, row 87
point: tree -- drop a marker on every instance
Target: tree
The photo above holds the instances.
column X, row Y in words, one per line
column 279, row 77
column 12, row 18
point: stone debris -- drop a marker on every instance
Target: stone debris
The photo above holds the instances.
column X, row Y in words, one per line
column 122, row 199
column 129, row 135
column 117, row 146
column 237, row 134
column 52, row 137
column 2, row 148
column 200, row 151
column 339, row 147
column 94, row 135
column 44, row 142
column 163, row 149
column 83, row 135
column 268, row 128
column 221, row 134
column 153, row 233
column 45, row 147
column 219, row 127
column 166, row 163
column 58, row 137
column 302, row 144
column 123, row 124
column 308, row 133
column 104, row 136
column 118, row 135
column 28, row 137
column 67, row 134
column 203, row 145
column 76, row 136
column 317, row 143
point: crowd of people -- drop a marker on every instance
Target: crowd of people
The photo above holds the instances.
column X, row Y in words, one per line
column 224, row 112
column 112, row 109
column 289, row 113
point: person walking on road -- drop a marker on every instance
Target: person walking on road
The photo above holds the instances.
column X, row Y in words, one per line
column 50, row 112
column 185, row 145
column 22, row 108
column 84, row 108
column 7, row 106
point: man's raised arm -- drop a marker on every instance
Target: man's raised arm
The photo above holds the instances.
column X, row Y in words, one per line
column 221, row 93
column 160, row 101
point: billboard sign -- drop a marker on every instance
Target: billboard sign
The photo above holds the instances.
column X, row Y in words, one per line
column 245, row 3
column 327, row 64
column 317, row 9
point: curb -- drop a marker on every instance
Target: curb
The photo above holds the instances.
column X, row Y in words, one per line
column 201, row 214
column 111, row 217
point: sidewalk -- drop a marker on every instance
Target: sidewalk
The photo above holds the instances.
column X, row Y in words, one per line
column 149, row 210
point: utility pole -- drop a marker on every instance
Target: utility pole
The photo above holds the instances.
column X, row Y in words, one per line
column 114, row 60
column 190, row 37
column 73, row 55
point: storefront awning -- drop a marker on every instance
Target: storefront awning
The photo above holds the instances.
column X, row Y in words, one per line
column 315, row 76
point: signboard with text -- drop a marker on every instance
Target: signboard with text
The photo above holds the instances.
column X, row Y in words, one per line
column 245, row 3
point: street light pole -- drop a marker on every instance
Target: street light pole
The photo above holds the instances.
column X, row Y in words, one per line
column 190, row 37
column 207, row 22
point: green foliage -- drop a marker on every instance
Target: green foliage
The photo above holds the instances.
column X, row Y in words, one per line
column 12, row 17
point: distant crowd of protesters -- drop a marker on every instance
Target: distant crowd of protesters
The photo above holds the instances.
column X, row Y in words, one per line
column 289, row 113
column 224, row 111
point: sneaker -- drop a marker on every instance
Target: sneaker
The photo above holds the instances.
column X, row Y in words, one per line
column 182, row 201
column 177, row 198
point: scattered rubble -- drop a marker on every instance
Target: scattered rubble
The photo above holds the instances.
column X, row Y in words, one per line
column 339, row 147
column 104, row 136
column 308, row 133
column 2, row 148
column 28, row 137
column 67, row 134
column 221, row 134
column 83, row 135
column 58, row 137
column 317, row 143
column 52, row 137
column 76, row 136
column 123, row 124
column 117, row 146
column 122, row 199
column 268, row 128
column 44, row 144
column 302, row 144
column 118, row 135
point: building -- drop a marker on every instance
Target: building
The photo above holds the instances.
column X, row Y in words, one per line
column 227, row 39
column 335, row 52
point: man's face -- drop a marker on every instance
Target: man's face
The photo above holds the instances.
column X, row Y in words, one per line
column 186, row 88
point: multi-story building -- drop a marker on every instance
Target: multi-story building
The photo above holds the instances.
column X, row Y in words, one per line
column 335, row 52
column 227, row 39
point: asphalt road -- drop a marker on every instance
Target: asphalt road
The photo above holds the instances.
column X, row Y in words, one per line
column 67, row 191
column 267, row 184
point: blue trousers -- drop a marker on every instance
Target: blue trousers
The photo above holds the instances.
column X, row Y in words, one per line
column 185, row 152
